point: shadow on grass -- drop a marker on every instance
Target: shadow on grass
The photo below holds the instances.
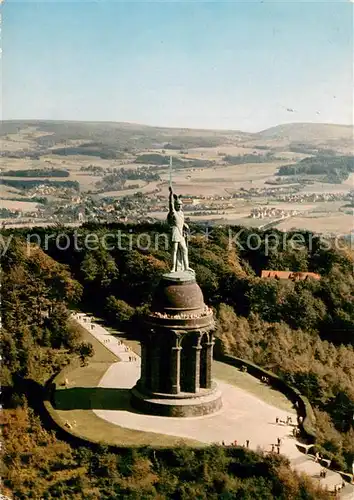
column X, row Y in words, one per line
column 95, row 398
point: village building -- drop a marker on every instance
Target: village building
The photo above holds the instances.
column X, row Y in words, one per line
column 289, row 275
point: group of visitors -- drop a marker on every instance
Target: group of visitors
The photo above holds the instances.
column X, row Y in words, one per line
column 337, row 488
column 234, row 443
column 277, row 446
column 288, row 421
column 323, row 473
column 87, row 319
column 131, row 357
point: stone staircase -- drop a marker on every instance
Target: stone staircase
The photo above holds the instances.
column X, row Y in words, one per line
column 332, row 481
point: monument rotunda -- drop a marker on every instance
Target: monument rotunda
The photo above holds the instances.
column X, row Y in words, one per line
column 177, row 341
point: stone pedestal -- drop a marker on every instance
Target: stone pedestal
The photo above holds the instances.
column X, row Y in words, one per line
column 177, row 352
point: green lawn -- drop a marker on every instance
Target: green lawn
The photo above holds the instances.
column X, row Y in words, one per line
column 87, row 424
column 233, row 376
column 82, row 376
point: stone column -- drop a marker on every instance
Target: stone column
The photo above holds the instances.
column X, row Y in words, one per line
column 154, row 353
column 143, row 382
column 209, row 361
column 195, row 375
column 175, row 367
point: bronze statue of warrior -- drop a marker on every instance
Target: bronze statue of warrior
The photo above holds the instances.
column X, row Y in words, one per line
column 175, row 219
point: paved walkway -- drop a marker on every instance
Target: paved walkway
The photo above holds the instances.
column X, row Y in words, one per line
column 243, row 417
column 123, row 352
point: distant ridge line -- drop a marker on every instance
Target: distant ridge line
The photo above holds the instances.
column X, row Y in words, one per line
column 275, row 128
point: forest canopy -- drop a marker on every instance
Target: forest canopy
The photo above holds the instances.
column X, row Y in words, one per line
column 27, row 184
column 336, row 169
column 37, row 172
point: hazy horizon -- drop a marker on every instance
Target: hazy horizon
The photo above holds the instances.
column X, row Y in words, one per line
column 243, row 66
column 177, row 128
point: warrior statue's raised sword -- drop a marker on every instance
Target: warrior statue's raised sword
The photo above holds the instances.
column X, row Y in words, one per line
column 175, row 219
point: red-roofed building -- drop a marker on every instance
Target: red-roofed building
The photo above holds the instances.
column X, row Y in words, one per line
column 289, row 275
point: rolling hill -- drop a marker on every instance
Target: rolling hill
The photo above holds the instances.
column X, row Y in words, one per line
column 308, row 132
column 40, row 137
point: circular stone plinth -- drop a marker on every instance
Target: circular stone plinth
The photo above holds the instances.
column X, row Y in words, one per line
column 179, row 276
column 192, row 406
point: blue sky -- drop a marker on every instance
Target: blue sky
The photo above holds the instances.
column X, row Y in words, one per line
column 235, row 65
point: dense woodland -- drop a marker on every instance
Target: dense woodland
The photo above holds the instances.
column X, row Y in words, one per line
column 303, row 331
column 95, row 149
column 36, row 172
column 118, row 179
column 164, row 160
column 6, row 213
column 32, row 183
column 335, row 169
column 250, row 158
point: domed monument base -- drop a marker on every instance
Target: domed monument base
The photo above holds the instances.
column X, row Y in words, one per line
column 181, row 405
column 177, row 352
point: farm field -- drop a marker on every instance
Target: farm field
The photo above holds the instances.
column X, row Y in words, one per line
column 148, row 188
column 19, row 205
column 223, row 193
column 320, row 187
column 222, row 180
column 327, row 223
column 10, row 192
